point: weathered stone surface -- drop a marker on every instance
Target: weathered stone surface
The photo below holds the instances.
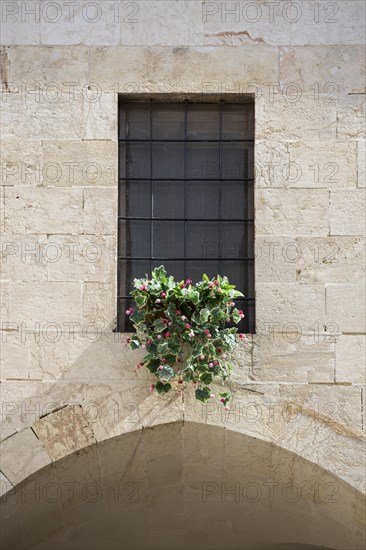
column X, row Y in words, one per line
column 290, row 307
column 21, row 162
column 46, row 303
column 100, row 211
column 306, row 119
column 292, row 212
column 361, row 168
column 21, row 455
column 100, row 116
column 64, row 432
column 275, row 259
column 347, row 212
column 350, row 359
column 5, row 484
column 15, row 353
column 330, row 260
column 322, row 70
column 293, row 357
column 24, row 257
column 322, row 164
column 272, row 163
column 38, row 210
column 99, row 305
column 351, row 116
column 80, row 163
column 345, row 305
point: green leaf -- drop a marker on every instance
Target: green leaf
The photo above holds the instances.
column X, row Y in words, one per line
column 166, row 373
column 135, row 343
column 236, row 315
column 194, row 295
column 159, row 273
column 158, row 325
column 225, row 396
column 206, row 378
column 162, row 388
column 204, row 315
column 140, row 300
column 203, row 394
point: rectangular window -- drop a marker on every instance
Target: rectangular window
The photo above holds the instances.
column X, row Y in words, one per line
column 186, row 195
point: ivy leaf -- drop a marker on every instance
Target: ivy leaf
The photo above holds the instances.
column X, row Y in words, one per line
column 206, row 378
column 162, row 388
column 225, row 397
column 159, row 273
column 140, row 300
column 135, row 343
column 194, row 296
column 203, row 394
column 166, row 373
column 158, row 325
column 204, row 315
column 236, row 315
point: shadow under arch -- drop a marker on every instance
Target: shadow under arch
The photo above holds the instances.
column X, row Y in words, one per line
column 183, row 485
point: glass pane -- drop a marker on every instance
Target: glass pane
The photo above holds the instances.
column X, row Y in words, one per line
column 168, row 199
column 173, row 268
column 234, row 161
column 134, row 121
column 237, row 122
column 134, row 238
column 130, row 270
column 135, row 199
column 237, row 240
column 202, row 199
column 240, row 274
column 195, row 269
column 203, row 121
column 237, row 200
column 168, row 160
column 123, row 321
column 202, row 240
column 168, row 239
column 168, row 121
column 137, row 160
column 246, row 325
column 203, row 161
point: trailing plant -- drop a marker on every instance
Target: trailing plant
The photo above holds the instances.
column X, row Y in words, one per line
column 181, row 326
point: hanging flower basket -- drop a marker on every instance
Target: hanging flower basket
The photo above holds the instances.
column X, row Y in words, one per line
column 182, row 328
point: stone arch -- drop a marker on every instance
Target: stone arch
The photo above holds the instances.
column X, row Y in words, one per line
column 181, row 483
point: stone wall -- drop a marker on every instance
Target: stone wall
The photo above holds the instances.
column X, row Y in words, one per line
column 62, row 67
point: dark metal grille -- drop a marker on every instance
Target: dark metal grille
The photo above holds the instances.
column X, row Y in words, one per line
column 186, row 196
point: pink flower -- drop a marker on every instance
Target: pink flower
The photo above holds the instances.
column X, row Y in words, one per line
column 164, row 321
column 222, row 399
column 225, row 356
column 170, row 323
column 161, row 367
column 183, row 285
column 188, row 281
column 167, row 334
column 226, row 408
column 212, row 396
column 143, row 346
column 141, row 287
column 207, row 331
column 128, row 312
column 218, row 289
column 148, row 342
column 157, row 301
column 216, row 363
column 152, row 387
column 210, row 285
column 188, row 325
column 191, row 334
column 128, row 340
column 202, row 357
column 219, row 350
column 216, row 283
column 178, row 312
column 180, row 359
column 163, row 295
column 210, row 365
column 209, row 336
column 184, row 318
column 158, row 336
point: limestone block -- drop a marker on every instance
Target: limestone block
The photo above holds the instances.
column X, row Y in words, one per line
column 77, row 163
column 345, row 305
column 31, row 114
column 275, row 259
column 19, row 25
column 272, row 163
column 292, row 212
column 2, row 209
column 341, row 23
column 85, row 23
column 21, row 162
column 24, row 257
column 150, row 23
column 46, row 303
column 81, row 258
column 303, row 119
column 15, row 353
column 100, row 116
column 99, row 304
column 240, row 23
column 322, row 164
column 293, row 357
column 289, row 307
column 5, row 484
column 64, row 432
column 351, row 116
column 53, row 68
column 322, row 70
column 350, row 354
column 39, row 210
column 361, row 157
column 241, row 360
column 338, row 259
column 21, row 455
column 100, row 211
column 347, row 212
column 169, row 69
